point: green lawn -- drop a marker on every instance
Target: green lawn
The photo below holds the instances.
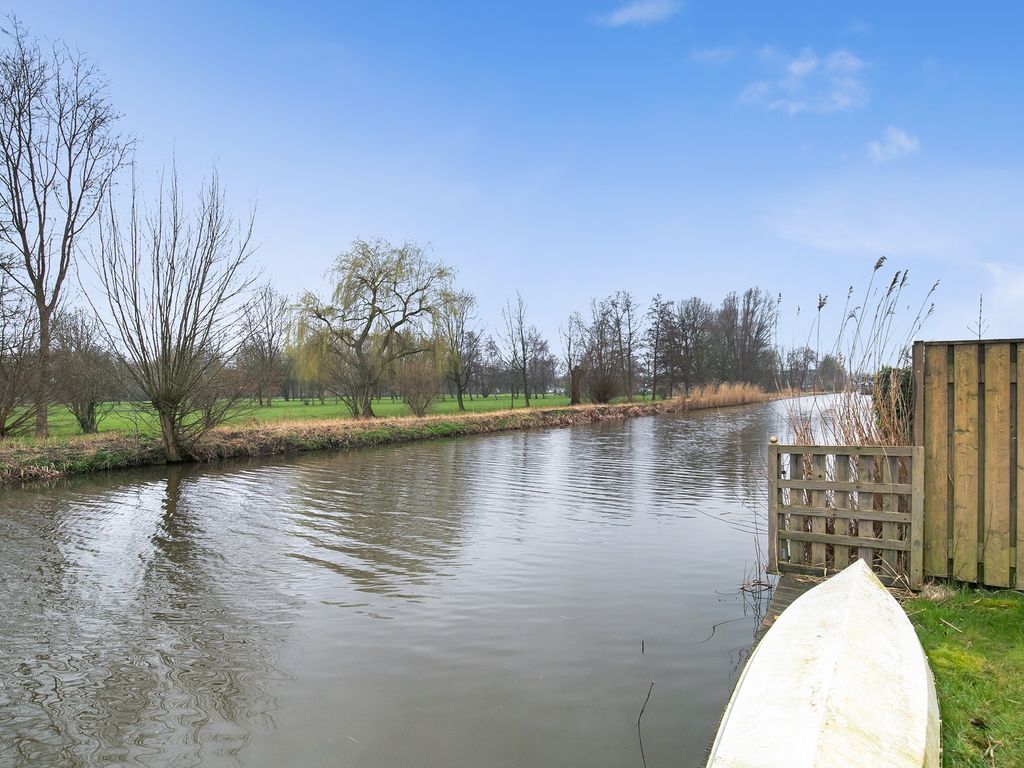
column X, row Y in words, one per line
column 124, row 418
column 975, row 643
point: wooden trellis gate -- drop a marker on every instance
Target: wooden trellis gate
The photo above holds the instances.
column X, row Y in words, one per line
column 829, row 505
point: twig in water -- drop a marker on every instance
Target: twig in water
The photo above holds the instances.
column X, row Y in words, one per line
column 645, row 703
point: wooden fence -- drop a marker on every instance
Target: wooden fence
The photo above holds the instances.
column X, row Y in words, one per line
column 829, row 505
column 967, row 415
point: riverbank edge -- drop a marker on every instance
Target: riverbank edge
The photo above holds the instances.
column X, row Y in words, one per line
column 31, row 461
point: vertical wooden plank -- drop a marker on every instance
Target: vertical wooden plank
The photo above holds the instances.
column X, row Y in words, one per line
column 773, row 507
column 1020, row 466
column 965, row 462
column 841, row 554
column 818, row 523
column 863, row 468
column 996, row 527
column 917, row 362
column 797, row 549
column 890, row 531
column 917, row 518
column 935, row 439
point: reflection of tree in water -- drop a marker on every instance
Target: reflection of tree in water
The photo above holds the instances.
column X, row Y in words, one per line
column 162, row 651
column 385, row 519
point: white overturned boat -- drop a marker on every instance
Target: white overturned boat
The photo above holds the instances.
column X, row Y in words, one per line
column 840, row 680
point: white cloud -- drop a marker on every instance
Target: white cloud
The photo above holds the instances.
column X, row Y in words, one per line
column 713, row 56
column 640, row 13
column 809, row 83
column 894, row 143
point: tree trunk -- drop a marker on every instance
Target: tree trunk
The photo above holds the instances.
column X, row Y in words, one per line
column 458, row 396
column 170, row 438
column 526, row 389
column 575, row 377
column 42, row 393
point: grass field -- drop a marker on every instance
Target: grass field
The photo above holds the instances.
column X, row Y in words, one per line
column 125, row 418
column 975, row 644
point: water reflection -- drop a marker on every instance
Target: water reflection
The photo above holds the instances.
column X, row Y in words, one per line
column 502, row 600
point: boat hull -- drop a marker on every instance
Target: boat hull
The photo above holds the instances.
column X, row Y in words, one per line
column 840, row 680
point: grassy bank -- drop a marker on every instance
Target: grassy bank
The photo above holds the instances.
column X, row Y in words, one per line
column 975, row 644
column 25, row 460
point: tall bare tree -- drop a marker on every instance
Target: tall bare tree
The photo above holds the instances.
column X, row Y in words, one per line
column 574, row 342
column 656, row 338
column 517, row 343
column 60, row 150
column 383, row 298
column 175, row 282
column 265, row 320
column 458, row 339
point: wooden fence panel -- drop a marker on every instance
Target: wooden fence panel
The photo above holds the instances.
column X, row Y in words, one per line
column 968, row 416
column 839, row 501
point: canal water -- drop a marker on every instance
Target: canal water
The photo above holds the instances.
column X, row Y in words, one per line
column 502, row 600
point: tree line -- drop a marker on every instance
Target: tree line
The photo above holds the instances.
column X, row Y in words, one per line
column 179, row 325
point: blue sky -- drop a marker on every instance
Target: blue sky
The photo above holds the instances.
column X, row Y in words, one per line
column 569, row 149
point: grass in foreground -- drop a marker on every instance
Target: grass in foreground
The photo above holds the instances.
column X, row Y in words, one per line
column 975, row 644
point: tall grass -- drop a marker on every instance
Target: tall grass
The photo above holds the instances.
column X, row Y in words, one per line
column 874, row 343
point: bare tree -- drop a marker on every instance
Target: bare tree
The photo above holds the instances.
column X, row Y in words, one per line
column 175, row 284
column 692, row 342
column 60, row 150
column 602, row 370
column 418, row 381
column 459, row 342
column 86, row 369
column 656, row 338
column 518, row 347
column 573, row 349
column 626, row 322
column 383, row 297
column 261, row 357
column 17, row 360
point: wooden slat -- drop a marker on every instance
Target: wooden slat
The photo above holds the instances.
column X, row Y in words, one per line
column 862, row 467
column 965, row 463
column 850, row 541
column 936, row 452
column 916, row 567
column 851, row 450
column 868, row 487
column 996, row 517
column 1020, row 467
column 818, row 524
column 889, row 530
column 841, row 512
column 796, row 520
column 853, row 514
column 773, row 508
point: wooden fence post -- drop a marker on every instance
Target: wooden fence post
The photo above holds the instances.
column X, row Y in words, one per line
column 773, row 506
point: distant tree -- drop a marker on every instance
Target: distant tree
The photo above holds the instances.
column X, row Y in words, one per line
column 656, row 339
column 459, row 342
column 626, row 321
column 798, row 364
column 383, row 299
column 418, row 381
column 573, row 335
column 602, row 369
column 691, row 342
column 519, row 343
column 17, row 360
column 744, row 337
column 175, row 285
column 86, row 369
column 261, row 358
column 60, row 149
column 831, row 373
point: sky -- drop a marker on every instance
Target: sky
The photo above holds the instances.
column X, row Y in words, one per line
column 571, row 149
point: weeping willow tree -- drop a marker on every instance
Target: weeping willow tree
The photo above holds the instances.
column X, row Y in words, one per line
column 379, row 311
